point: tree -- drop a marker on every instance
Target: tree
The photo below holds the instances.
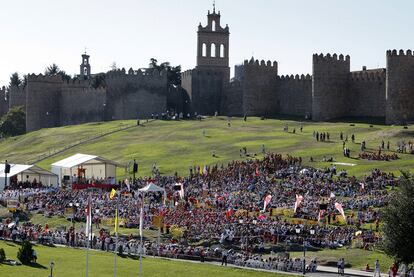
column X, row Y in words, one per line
column 13, row 123
column 15, row 80
column 98, row 80
column 399, row 221
column 173, row 72
column 54, row 70
column 25, row 254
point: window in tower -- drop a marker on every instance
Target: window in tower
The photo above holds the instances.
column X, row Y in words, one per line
column 204, row 50
column 213, row 25
column 221, row 50
column 213, row 50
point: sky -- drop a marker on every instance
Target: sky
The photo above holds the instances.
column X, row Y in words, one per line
column 35, row 34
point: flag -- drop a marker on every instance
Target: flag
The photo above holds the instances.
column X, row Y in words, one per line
column 127, row 184
column 266, row 201
column 88, row 228
column 257, row 172
column 181, row 191
column 229, row 213
column 116, row 220
column 332, row 195
column 340, row 209
column 321, row 214
column 141, row 220
column 299, row 199
column 205, row 171
column 112, row 194
column 201, row 170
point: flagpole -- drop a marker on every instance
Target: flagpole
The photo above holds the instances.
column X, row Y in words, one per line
column 88, row 228
column 140, row 233
column 116, row 232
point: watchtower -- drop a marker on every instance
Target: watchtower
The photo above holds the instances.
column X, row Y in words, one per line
column 213, row 45
column 85, row 67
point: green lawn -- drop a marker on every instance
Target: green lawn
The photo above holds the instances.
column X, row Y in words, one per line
column 176, row 145
column 356, row 258
column 71, row 262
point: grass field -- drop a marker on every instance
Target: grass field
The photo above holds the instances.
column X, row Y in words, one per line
column 176, row 145
column 71, row 262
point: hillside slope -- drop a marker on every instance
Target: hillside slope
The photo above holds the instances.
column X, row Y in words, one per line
column 176, row 145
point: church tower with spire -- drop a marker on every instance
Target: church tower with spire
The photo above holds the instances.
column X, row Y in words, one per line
column 205, row 83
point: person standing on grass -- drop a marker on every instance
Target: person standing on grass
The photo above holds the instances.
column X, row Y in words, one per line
column 377, row 271
column 224, row 258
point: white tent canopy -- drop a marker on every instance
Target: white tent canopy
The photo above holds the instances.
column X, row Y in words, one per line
column 95, row 167
column 25, row 172
column 151, row 187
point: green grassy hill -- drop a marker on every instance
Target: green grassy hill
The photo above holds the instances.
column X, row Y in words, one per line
column 176, row 145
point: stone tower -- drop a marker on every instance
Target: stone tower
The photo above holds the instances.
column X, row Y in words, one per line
column 85, row 67
column 400, row 87
column 205, row 83
column 213, row 45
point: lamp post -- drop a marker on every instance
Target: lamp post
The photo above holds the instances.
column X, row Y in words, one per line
column 52, row 265
column 74, row 206
column 298, row 231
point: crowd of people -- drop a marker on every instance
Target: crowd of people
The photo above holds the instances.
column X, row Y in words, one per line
column 224, row 206
column 378, row 156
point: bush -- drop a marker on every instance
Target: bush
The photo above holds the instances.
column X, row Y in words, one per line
column 2, row 255
column 25, row 254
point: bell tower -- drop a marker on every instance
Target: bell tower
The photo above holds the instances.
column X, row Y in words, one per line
column 213, row 45
column 85, row 67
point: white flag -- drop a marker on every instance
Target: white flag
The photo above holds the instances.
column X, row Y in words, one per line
column 88, row 229
column 299, row 199
column 340, row 209
column 127, row 184
column 266, row 201
column 332, row 195
column 141, row 220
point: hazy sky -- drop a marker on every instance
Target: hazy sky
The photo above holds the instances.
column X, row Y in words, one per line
column 35, row 34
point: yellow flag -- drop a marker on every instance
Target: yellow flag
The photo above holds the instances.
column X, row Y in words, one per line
column 116, row 221
column 112, row 194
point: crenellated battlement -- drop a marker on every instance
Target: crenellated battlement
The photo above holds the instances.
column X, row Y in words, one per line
column 187, row 73
column 296, row 77
column 400, row 53
column 331, row 58
column 368, row 75
column 260, row 64
column 152, row 74
column 44, row 78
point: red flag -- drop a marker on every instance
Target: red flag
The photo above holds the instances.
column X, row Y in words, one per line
column 257, row 172
column 321, row 214
column 229, row 213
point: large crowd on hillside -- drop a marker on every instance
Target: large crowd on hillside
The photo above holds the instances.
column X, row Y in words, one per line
column 224, row 206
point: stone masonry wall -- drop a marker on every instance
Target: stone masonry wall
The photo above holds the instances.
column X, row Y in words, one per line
column 329, row 86
column 294, row 95
column 366, row 96
column 259, row 96
column 81, row 104
column 400, row 87
column 42, row 102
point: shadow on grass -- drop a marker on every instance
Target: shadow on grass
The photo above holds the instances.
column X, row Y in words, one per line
column 36, row 265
